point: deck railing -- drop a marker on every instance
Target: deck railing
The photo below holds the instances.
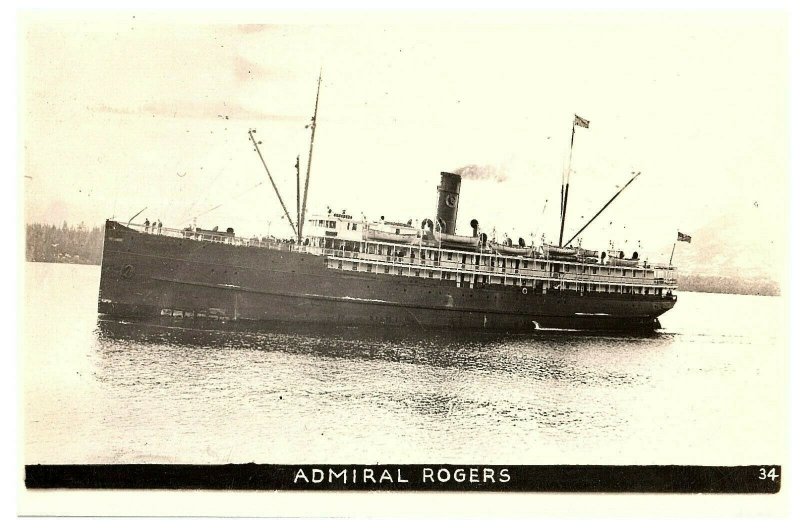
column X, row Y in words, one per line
column 522, row 273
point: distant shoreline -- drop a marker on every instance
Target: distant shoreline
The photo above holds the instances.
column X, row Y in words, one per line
column 728, row 285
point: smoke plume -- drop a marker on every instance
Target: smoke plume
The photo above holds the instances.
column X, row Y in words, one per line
column 482, row 172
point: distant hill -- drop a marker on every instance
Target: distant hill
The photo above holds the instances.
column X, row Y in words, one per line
column 728, row 285
column 725, row 256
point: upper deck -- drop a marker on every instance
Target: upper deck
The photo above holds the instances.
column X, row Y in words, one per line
column 466, row 267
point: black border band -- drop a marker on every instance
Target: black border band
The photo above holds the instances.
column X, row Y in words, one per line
column 753, row 479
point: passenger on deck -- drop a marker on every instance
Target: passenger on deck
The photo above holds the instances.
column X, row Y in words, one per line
column 159, row 226
column 147, row 225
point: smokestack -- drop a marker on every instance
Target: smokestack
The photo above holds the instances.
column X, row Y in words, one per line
column 447, row 210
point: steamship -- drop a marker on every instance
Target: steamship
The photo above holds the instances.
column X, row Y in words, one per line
column 350, row 271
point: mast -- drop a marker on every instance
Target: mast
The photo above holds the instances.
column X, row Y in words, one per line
column 565, row 186
column 604, row 207
column 275, row 187
column 313, row 126
column 580, row 122
column 299, row 224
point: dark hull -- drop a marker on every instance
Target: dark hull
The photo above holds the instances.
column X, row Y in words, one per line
column 148, row 277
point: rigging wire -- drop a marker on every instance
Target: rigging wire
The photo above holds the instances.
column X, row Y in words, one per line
column 234, row 197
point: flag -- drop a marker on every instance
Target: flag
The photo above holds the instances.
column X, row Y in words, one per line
column 682, row 237
column 580, row 122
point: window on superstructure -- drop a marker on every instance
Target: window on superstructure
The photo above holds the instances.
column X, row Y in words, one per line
column 386, row 269
column 449, row 256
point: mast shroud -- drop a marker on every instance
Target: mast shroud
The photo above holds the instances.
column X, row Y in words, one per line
column 275, row 187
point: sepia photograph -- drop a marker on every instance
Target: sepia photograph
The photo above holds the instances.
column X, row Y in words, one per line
column 476, row 256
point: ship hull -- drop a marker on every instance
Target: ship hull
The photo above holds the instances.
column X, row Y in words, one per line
column 149, row 277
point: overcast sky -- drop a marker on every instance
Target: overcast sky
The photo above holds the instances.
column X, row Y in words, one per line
column 130, row 111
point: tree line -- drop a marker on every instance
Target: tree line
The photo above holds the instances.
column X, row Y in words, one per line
column 65, row 244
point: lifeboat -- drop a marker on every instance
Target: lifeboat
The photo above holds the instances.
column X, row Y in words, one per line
column 616, row 261
column 559, row 252
column 396, row 238
column 505, row 249
column 456, row 241
column 617, row 258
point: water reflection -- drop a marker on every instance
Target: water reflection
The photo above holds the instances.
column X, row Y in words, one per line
column 377, row 380
column 538, row 356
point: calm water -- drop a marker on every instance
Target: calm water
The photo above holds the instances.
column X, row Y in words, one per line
column 710, row 389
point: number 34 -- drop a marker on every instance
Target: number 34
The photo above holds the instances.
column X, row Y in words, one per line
column 763, row 474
